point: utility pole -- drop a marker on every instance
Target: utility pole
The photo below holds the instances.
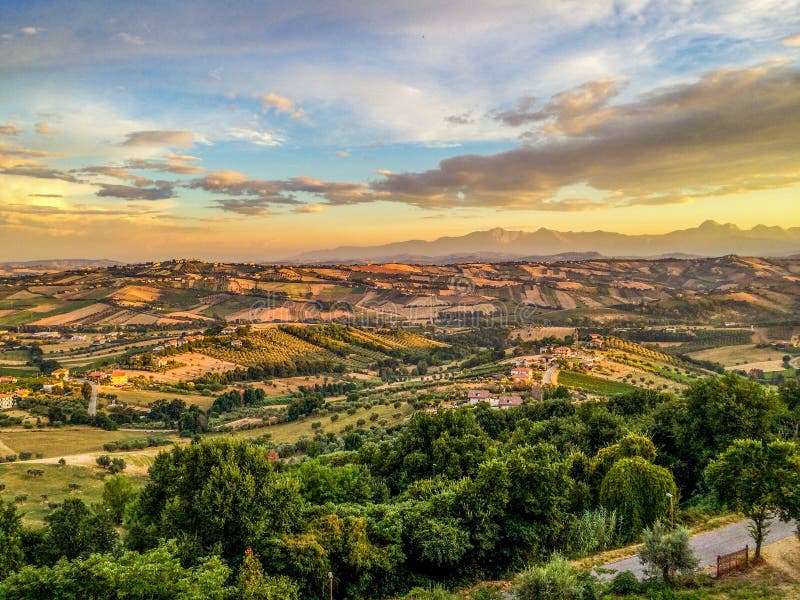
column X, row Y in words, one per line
column 671, row 511
column 330, row 581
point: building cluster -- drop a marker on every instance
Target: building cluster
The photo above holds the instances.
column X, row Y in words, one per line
column 499, row 402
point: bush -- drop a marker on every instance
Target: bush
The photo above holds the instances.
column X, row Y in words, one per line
column 666, row 553
column 486, row 591
column 625, row 583
column 594, row 530
column 554, row 580
column 25, row 455
column 104, row 460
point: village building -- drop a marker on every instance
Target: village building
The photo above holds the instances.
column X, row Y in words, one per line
column 562, row 352
column 6, row 401
column 505, row 402
column 476, row 396
column 119, row 378
column 521, row 375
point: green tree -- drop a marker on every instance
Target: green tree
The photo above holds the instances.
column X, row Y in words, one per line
column 253, row 585
column 215, row 494
column 154, row 575
column 74, row 530
column 667, row 553
column 11, row 554
column 117, row 492
column 86, row 391
column 637, row 490
column 760, row 480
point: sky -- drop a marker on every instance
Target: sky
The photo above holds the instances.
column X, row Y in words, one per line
column 254, row 130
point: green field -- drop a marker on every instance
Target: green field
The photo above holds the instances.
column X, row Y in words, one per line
column 731, row 356
column 53, row 442
column 592, row 384
column 52, row 486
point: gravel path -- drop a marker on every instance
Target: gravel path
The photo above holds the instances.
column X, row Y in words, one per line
column 707, row 546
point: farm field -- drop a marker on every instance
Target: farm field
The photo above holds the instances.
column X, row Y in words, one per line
column 147, row 397
column 592, row 384
column 195, row 364
column 51, row 486
column 735, row 356
column 291, row 432
column 54, row 443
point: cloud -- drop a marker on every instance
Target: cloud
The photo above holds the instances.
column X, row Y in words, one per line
column 462, row 119
column 260, row 138
column 181, row 157
column 792, row 40
column 30, row 30
column 128, row 38
column 684, row 140
column 9, row 129
column 45, row 195
column 42, row 128
column 79, row 209
column 342, row 153
column 116, row 173
column 280, row 192
column 280, row 104
column 161, row 191
column 569, row 112
column 249, row 207
column 183, row 139
column 309, row 208
column 178, row 167
column 38, row 172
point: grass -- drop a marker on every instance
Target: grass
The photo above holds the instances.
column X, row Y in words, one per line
column 56, row 442
column 731, row 356
column 592, row 384
column 291, row 432
column 54, row 484
column 147, row 397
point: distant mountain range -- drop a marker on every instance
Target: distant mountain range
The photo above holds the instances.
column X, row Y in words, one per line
column 545, row 245
column 30, row 267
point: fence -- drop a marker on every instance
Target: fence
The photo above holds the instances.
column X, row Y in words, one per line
column 733, row 561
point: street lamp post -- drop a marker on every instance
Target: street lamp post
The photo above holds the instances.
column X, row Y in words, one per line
column 330, row 582
column 671, row 511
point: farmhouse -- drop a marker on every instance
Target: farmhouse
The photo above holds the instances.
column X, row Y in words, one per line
column 119, row 378
column 475, row 396
column 521, row 375
column 505, row 402
column 563, row 351
column 7, row 379
column 97, row 375
column 6, row 401
column 22, row 393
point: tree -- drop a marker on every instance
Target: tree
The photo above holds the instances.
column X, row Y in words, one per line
column 253, row 585
column 760, row 480
column 637, row 490
column 117, row 492
column 219, row 495
column 667, row 553
column 86, row 391
column 11, row 554
column 713, row 413
column 557, row 579
column 73, row 530
column 154, row 575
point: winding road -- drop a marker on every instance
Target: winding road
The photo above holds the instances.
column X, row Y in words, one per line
column 707, row 546
column 550, row 376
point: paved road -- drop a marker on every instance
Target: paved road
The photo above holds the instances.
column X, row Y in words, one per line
column 550, row 376
column 707, row 546
column 93, row 400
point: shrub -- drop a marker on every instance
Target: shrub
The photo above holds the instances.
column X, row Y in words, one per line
column 486, row 591
column 104, row 460
column 594, row 530
column 20, row 498
column 554, row 580
column 625, row 583
column 667, row 553
column 25, row 455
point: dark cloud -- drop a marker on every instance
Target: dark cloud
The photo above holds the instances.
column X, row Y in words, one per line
column 39, row 173
column 520, row 114
column 45, row 195
column 9, row 129
column 159, row 138
column 79, row 209
column 117, row 173
column 279, row 192
column 462, row 119
column 244, row 206
column 162, row 191
column 733, row 130
column 175, row 165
